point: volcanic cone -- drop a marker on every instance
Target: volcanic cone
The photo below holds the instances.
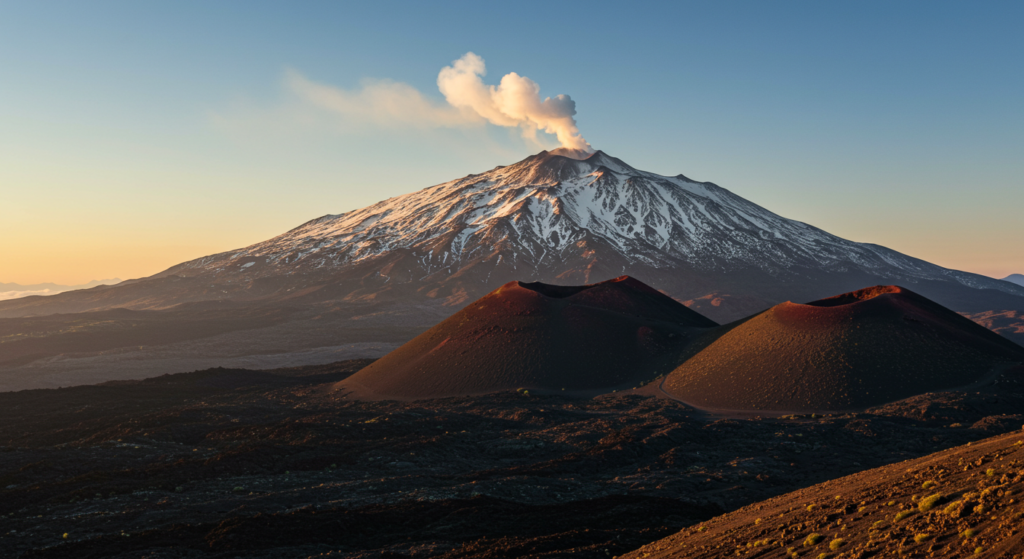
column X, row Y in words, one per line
column 580, row 339
column 851, row 351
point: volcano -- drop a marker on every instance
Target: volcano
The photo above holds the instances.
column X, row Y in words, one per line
column 384, row 273
column 560, row 217
column 579, row 339
column 845, row 352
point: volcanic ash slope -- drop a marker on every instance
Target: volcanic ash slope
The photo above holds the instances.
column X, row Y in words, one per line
column 851, row 351
column 962, row 502
column 581, row 339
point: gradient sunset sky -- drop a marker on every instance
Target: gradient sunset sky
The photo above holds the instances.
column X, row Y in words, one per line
column 137, row 135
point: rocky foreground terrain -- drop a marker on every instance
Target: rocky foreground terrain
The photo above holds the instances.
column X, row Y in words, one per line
column 961, row 502
column 235, row 463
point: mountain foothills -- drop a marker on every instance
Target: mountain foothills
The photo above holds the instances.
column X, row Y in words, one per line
column 402, row 265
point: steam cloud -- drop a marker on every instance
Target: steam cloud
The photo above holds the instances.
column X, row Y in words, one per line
column 380, row 102
column 514, row 102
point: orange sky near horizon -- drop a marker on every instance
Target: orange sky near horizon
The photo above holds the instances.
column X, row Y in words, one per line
column 102, row 254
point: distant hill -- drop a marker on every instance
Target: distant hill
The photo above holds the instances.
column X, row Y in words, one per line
column 1015, row 278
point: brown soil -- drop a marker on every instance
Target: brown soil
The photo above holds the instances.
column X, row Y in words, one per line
column 611, row 335
column 851, row 351
column 966, row 501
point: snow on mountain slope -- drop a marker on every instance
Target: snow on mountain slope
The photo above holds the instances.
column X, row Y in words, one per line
column 557, row 206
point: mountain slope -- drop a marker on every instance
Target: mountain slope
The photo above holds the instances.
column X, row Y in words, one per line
column 959, row 502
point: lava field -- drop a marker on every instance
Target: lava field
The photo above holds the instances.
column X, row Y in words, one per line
column 236, row 463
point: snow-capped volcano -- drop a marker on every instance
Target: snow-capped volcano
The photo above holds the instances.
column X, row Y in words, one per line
column 357, row 283
column 576, row 217
column 565, row 216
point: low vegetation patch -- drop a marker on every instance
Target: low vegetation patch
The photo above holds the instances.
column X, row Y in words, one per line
column 902, row 514
column 835, row 544
column 813, row 539
column 929, row 502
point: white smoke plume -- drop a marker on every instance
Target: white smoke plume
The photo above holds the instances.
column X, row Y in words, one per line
column 468, row 103
column 514, row 102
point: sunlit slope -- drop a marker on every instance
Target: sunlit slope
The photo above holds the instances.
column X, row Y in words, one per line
column 961, row 502
column 851, row 351
column 531, row 335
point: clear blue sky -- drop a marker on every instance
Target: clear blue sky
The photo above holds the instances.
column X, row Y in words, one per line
column 134, row 135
